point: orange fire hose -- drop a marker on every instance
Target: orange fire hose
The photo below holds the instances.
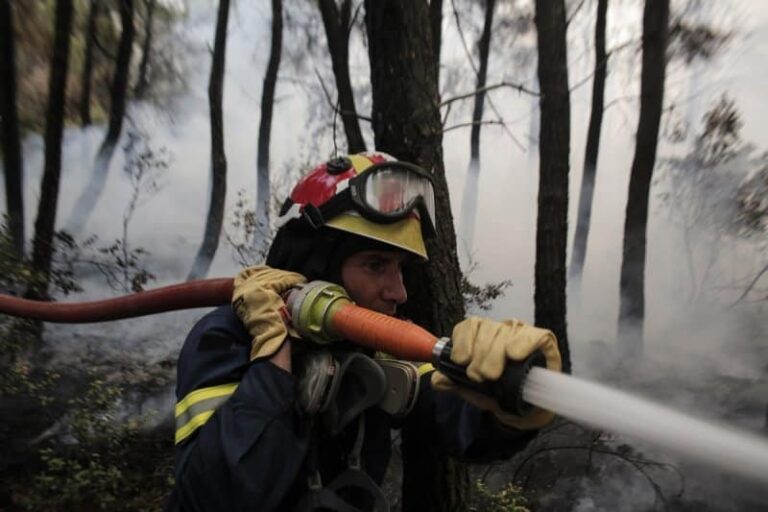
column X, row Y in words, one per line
column 195, row 294
column 381, row 332
column 364, row 327
column 367, row 328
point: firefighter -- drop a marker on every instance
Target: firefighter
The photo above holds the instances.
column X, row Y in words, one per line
column 268, row 421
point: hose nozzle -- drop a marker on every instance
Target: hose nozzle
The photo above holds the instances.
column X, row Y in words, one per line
column 312, row 307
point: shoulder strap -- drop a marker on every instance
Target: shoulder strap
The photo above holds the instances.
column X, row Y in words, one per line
column 327, row 498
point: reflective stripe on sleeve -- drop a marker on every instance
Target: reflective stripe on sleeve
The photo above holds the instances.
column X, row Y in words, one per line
column 198, row 406
column 426, row 368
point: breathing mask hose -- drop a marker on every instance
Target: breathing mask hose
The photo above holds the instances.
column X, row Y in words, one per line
column 320, row 311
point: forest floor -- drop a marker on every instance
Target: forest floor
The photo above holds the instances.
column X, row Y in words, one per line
column 91, row 446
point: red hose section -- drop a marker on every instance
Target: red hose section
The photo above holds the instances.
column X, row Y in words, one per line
column 195, row 294
column 377, row 331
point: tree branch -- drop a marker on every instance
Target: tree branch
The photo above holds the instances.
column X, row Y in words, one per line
column 518, row 87
column 751, row 285
column 335, row 106
column 473, row 123
column 574, row 13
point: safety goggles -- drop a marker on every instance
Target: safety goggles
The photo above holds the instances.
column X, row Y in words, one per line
column 386, row 193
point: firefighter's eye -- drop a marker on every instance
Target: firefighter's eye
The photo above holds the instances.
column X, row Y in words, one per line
column 376, row 265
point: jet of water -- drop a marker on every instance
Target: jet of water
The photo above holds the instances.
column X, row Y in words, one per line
column 593, row 404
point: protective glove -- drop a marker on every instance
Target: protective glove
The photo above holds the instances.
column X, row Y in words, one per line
column 484, row 346
column 257, row 300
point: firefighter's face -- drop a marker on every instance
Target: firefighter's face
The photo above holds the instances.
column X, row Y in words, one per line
column 374, row 279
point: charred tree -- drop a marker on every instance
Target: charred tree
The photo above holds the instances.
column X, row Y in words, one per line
column 90, row 38
column 554, row 149
column 146, row 49
column 265, row 127
column 407, row 124
column 593, row 145
column 337, row 27
column 42, row 252
column 436, row 23
column 119, row 94
column 9, row 125
column 469, row 201
column 632, row 299
column 215, row 217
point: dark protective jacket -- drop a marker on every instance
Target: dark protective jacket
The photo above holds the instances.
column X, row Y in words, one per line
column 242, row 442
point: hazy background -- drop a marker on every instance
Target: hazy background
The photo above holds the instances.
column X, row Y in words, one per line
column 698, row 341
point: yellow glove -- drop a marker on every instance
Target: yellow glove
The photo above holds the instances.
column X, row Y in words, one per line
column 484, row 346
column 257, row 300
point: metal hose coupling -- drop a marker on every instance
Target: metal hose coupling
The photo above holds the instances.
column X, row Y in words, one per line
column 312, row 306
column 508, row 390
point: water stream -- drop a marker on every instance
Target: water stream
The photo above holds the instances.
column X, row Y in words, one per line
column 598, row 406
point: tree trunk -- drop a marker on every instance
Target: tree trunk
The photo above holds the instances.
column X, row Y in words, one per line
column 554, row 148
column 436, row 23
column 119, row 92
column 54, row 129
column 632, row 300
column 593, row 145
column 406, row 124
column 9, row 125
column 146, row 48
column 469, row 200
column 90, row 35
column 265, row 127
column 337, row 31
column 215, row 217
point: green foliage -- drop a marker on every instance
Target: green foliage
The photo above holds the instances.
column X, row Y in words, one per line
column 510, row 498
column 480, row 297
column 103, row 460
column 98, row 467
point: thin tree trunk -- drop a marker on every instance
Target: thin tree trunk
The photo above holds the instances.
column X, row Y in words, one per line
column 632, row 299
column 554, row 149
column 337, row 31
column 146, row 49
column 265, row 127
column 593, row 145
column 406, row 124
column 119, row 92
column 469, row 200
column 9, row 125
column 436, row 23
column 215, row 217
column 54, row 129
column 90, row 36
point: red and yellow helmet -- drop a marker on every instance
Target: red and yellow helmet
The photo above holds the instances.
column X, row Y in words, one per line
column 371, row 195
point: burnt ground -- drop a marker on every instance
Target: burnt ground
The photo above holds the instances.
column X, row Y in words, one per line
column 567, row 468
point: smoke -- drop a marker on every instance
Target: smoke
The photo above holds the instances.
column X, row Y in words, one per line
column 699, row 356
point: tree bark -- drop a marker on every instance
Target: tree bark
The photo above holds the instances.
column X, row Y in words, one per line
column 42, row 252
column 265, row 127
column 469, row 200
column 119, row 93
column 90, row 37
column 215, row 217
column 436, row 23
column 337, row 27
column 406, row 124
column 146, row 48
column 9, row 124
column 593, row 145
column 632, row 299
column 554, row 149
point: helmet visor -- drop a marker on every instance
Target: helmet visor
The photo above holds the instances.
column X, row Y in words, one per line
column 392, row 190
